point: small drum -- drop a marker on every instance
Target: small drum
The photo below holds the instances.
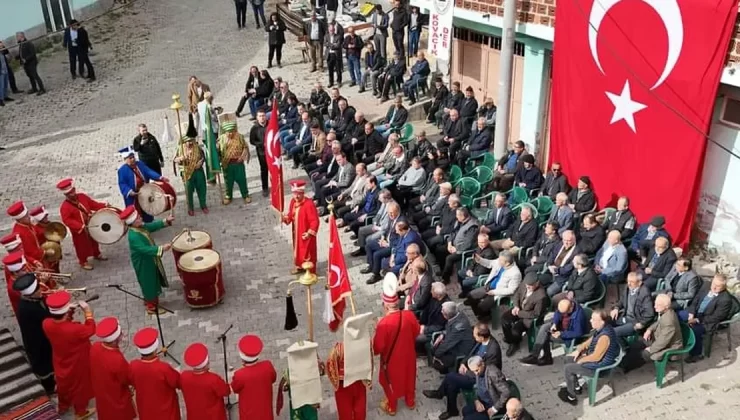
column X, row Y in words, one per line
column 202, row 278
column 106, row 227
column 157, row 197
column 189, row 240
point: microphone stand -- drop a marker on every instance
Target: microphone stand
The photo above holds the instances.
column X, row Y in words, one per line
column 222, row 339
column 159, row 321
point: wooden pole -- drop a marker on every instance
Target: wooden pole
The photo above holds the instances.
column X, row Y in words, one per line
column 309, row 305
column 352, row 304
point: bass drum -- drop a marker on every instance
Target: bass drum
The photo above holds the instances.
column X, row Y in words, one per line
column 189, row 240
column 106, row 226
column 202, row 278
column 157, row 197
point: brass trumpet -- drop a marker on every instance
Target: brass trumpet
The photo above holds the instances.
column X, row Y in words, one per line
column 50, row 274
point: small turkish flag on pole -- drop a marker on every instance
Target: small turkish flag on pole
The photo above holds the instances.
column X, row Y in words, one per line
column 273, row 151
column 339, row 286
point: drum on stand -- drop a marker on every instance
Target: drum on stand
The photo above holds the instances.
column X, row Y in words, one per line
column 202, row 278
column 189, row 240
column 106, row 226
column 157, row 197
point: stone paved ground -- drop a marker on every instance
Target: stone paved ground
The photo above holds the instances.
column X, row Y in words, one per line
column 151, row 49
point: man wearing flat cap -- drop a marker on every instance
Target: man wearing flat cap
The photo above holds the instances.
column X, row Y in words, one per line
column 530, row 303
column 647, row 233
column 582, row 199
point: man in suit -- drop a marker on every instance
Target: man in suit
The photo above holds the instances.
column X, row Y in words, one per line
column 379, row 20
column 503, row 281
column 499, row 218
column 395, row 118
column 314, row 32
column 376, row 251
column 644, row 239
column 398, row 20
column 521, row 234
column 487, row 348
column 582, row 199
column 353, row 141
column 30, row 62
column 429, row 194
column 681, row 284
column 462, row 239
column 611, row 261
column 558, row 267
column 548, row 242
column 354, row 195
column 337, row 184
column 372, row 206
column 468, row 107
column 420, row 294
column 660, row 261
column 635, row 311
column 297, row 137
column 419, row 73
column 583, row 284
column 77, row 43
column 623, row 219
column 562, row 213
column 435, row 235
column 400, row 251
column 342, row 119
column 530, row 303
column 591, row 235
column 660, row 336
column 433, row 207
column 479, row 143
column 333, row 48
column 456, row 340
column 438, row 99
column 374, row 65
column 569, row 323
column 452, row 101
column 468, row 276
column 430, row 317
column 328, row 168
column 712, row 305
column 528, row 176
column 454, row 133
column 555, row 182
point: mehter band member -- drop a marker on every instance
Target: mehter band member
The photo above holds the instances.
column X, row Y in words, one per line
column 303, row 216
column 154, row 381
column 75, row 211
column 202, row 390
column 110, row 373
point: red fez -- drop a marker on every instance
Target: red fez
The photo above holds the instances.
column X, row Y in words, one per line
column 10, row 241
column 250, row 347
column 14, row 261
column 129, row 215
column 59, row 302
column 66, row 185
column 146, row 340
column 298, row 185
column 196, row 356
column 17, row 210
column 108, row 330
column 38, row 213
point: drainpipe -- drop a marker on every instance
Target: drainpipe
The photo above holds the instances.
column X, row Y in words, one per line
column 503, row 109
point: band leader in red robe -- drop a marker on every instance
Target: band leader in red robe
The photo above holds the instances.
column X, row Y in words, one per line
column 110, row 380
column 70, row 345
column 75, row 214
column 156, row 384
column 303, row 216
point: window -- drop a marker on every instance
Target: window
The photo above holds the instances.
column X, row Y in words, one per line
column 730, row 114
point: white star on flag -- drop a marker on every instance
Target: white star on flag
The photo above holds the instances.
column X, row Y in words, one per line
column 277, row 162
column 624, row 107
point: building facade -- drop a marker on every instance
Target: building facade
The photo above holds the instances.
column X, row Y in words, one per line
column 39, row 17
column 475, row 62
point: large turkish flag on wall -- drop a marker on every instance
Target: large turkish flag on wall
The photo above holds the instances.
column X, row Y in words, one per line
column 634, row 82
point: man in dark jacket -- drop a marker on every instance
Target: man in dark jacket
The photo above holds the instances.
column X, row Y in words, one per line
column 241, row 13
column 395, row 118
column 658, row 264
column 712, row 305
column 422, row 148
column 521, row 234
column 5, row 56
column 635, row 311
column 456, row 340
column 500, row 218
column 431, row 318
column 398, row 22
column 568, row 324
column 333, row 47
column 462, row 239
column 343, row 120
column 591, row 235
column 453, row 101
column 77, row 43
column 419, row 73
column 528, row 176
column 468, row 276
column 644, row 239
column 555, row 182
column 257, row 139
column 530, row 303
column 583, row 284
column 468, row 106
column 392, row 75
column 147, row 146
column 319, row 100
column 256, row 92
column 353, row 142
column 559, row 264
column 374, row 65
column 438, row 99
column 314, row 32
column 508, row 165
column 622, row 220
column 681, row 284
column 353, row 49
column 27, row 56
column 479, row 143
column 454, row 134
column 445, row 225
column 374, row 143
column 582, row 199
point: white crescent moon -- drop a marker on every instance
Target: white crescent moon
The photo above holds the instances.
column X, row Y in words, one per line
column 338, row 272
column 270, row 141
column 670, row 15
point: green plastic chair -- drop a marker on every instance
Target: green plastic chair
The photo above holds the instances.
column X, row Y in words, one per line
column 735, row 317
column 599, row 301
column 489, row 161
column 486, row 159
column 468, row 189
column 607, row 213
column 481, row 174
column 481, row 206
column 518, row 195
column 407, row 133
column 495, row 312
column 605, row 373
column 570, row 345
column 660, row 365
column 455, row 175
column 518, row 209
column 544, row 206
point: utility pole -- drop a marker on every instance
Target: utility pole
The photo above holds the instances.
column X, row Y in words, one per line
column 503, row 108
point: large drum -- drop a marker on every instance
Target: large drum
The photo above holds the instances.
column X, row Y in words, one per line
column 157, row 197
column 106, row 226
column 202, row 278
column 189, row 240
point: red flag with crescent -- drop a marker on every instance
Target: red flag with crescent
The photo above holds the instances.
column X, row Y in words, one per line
column 634, row 84
column 339, row 286
column 273, row 152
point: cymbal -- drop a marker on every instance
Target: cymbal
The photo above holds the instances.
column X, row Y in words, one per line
column 55, row 232
column 52, row 251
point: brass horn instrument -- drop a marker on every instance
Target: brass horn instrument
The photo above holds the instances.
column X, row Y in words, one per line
column 50, row 274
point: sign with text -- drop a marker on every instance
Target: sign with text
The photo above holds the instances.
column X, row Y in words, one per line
column 440, row 29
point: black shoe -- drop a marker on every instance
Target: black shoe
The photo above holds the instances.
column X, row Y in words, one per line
column 356, row 243
column 352, row 84
column 512, row 349
column 374, row 279
column 358, row 253
column 16, row 91
column 32, row 91
column 90, row 79
column 41, row 92
column 280, row 65
column 258, row 26
column 433, row 394
column 567, row 398
column 544, row 361
column 366, row 270
column 347, row 229
column 265, row 193
column 361, row 90
column 579, row 390
column 238, row 115
column 339, row 84
column 9, row 99
column 353, row 237
column 445, row 415
column 2, row 103
column 694, row 358
column 411, row 102
column 74, row 76
column 269, row 65
column 331, row 85
column 530, row 360
column 462, row 295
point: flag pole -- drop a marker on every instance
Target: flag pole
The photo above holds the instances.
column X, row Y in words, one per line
column 352, row 304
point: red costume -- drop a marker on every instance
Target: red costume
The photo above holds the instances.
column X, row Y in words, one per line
column 253, row 382
column 75, row 212
column 155, row 381
column 15, row 261
column 303, row 216
column 352, row 399
column 31, row 245
column 202, row 390
column 70, row 344
column 110, row 374
column 38, row 214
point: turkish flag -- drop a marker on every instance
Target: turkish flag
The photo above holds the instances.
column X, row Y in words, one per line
column 273, row 152
column 634, row 84
column 339, row 286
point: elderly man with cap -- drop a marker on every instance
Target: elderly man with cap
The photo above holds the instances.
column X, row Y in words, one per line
column 31, row 314
column 582, row 199
column 394, row 341
column 132, row 175
column 110, row 373
column 75, row 211
column 70, row 345
column 40, row 219
column 202, row 390
column 192, row 159
column 146, row 256
column 644, row 239
column 304, row 217
column 253, row 382
column 154, row 381
column 23, row 227
column 530, row 303
column 234, row 154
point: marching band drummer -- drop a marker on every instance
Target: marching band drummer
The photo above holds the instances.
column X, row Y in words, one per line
column 192, row 162
column 132, row 175
column 146, row 256
column 40, row 218
column 23, row 227
column 75, row 211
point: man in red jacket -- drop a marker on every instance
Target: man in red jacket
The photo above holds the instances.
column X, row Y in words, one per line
column 23, row 227
column 70, row 346
column 202, row 390
column 155, row 381
column 253, row 382
column 110, row 374
column 75, row 211
column 40, row 219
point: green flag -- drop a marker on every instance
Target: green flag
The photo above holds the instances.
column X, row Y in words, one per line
column 214, row 164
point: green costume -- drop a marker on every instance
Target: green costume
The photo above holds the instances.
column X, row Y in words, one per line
column 209, row 139
column 306, row 412
column 233, row 150
column 193, row 158
column 146, row 257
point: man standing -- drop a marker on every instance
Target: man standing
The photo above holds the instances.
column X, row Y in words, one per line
column 351, row 399
column 40, row 220
column 258, row 7
column 241, row 13
column 24, row 229
column 303, row 216
column 253, row 382
column 394, row 341
column 154, row 381
column 5, row 72
column 314, row 32
column 75, row 211
column 31, row 315
column 147, row 146
column 70, row 345
column 146, row 256
column 353, row 45
column 334, row 56
column 234, row 153
column 399, row 19
column 257, row 139
column 192, row 160
column 27, row 56
column 77, row 43
column 110, row 373
column 202, row 390
column 132, row 175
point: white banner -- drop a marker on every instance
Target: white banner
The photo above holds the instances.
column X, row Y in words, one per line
column 440, row 29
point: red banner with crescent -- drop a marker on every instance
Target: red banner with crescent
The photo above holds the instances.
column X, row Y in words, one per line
column 634, row 85
column 273, row 153
column 339, row 286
